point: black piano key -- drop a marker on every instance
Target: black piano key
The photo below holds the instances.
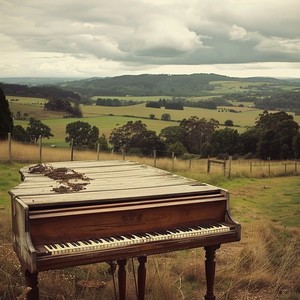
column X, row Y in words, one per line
column 129, row 236
column 140, row 235
column 108, row 239
column 97, row 241
column 154, row 233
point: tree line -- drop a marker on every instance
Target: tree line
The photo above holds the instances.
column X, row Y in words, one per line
column 47, row 92
column 115, row 102
column 274, row 136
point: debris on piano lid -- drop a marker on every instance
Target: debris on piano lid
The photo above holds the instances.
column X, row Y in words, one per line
column 69, row 187
column 40, row 169
column 70, row 180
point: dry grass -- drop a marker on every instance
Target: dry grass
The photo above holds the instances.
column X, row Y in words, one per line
column 266, row 262
column 264, row 265
column 238, row 168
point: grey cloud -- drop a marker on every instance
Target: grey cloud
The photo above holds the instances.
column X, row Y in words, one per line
column 156, row 32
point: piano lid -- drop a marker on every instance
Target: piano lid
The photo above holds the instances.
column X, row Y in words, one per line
column 83, row 182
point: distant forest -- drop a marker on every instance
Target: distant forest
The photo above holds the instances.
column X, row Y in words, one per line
column 264, row 93
column 44, row 91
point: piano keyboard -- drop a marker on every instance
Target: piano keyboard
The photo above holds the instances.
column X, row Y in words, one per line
column 132, row 239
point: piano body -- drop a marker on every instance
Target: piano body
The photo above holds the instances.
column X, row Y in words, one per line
column 113, row 211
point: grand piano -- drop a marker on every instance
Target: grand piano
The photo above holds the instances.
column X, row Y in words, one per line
column 82, row 212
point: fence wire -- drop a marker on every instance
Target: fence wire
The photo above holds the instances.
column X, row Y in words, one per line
column 15, row 151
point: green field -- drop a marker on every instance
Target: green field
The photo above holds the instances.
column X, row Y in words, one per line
column 245, row 118
column 106, row 118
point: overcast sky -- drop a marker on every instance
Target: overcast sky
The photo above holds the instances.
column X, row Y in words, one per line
column 115, row 37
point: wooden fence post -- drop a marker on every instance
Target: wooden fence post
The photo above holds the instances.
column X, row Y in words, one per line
column 173, row 160
column 98, row 150
column 229, row 166
column 9, row 147
column 208, row 165
column 190, row 164
column 40, row 146
column 72, row 149
column 285, row 168
column 154, row 157
column 209, row 161
column 123, row 153
column 250, row 168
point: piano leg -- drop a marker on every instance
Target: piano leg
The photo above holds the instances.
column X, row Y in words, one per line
column 141, row 277
column 210, row 266
column 31, row 280
column 122, row 278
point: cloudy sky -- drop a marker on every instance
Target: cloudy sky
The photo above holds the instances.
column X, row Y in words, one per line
column 116, row 37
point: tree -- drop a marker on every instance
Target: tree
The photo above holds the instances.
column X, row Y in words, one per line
column 177, row 148
column 103, row 143
column 276, row 132
column 6, row 119
column 228, row 123
column 296, row 145
column 148, row 142
column 172, row 135
column 18, row 115
column 36, row 129
column 248, row 142
column 268, row 146
column 76, row 111
column 20, row 134
column 128, row 135
column 135, row 137
column 197, row 132
column 83, row 135
column 225, row 141
column 166, row 117
column 59, row 104
column 152, row 116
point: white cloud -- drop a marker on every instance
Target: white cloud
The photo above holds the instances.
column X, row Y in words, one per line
column 169, row 34
column 280, row 45
column 237, row 33
column 137, row 35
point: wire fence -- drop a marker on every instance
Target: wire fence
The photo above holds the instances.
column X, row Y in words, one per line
column 13, row 151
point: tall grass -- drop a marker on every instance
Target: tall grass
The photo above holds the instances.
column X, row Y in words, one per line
column 264, row 265
column 237, row 168
column 267, row 262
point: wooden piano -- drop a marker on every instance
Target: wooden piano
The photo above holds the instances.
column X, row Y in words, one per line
column 81, row 212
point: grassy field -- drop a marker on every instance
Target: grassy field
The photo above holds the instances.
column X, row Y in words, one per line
column 264, row 265
column 107, row 118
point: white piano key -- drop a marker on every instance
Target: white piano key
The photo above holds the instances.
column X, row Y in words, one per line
column 132, row 239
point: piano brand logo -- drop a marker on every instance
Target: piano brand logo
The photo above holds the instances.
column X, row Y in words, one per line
column 132, row 218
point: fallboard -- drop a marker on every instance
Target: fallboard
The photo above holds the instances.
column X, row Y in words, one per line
column 76, row 223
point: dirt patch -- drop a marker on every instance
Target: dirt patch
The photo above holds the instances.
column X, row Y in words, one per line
column 70, row 180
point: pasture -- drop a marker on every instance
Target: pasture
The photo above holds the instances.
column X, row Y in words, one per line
column 106, row 118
